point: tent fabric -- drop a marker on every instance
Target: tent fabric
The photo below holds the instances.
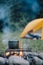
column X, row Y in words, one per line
column 32, row 26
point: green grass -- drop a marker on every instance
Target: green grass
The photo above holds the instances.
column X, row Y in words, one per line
column 35, row 45
column 2, row 47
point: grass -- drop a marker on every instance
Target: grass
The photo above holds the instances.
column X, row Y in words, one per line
column 35, row 45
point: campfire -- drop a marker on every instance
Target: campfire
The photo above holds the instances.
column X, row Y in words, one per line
column 16, row 52
column 15, row 55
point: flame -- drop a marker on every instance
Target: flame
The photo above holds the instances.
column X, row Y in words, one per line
column 21, row 52
column 16, row 53
column 7, row 53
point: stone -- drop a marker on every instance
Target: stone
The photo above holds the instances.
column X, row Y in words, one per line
column 17, row 60
column 41, row 55
column 2, row 61
column 38, row 61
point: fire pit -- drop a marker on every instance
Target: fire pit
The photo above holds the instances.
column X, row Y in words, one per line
column 19, row 56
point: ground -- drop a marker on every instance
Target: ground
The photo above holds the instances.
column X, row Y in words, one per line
column 35, row 45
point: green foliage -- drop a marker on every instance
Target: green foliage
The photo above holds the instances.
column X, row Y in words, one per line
column 23, row 22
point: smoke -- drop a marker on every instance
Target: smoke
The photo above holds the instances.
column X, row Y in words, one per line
column 6, row 36
column 2, row 15
column 4, row 26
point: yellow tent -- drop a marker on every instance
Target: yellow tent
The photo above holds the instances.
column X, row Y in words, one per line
column 33, row 26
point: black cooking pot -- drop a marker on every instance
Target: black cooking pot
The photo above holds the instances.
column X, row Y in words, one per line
column 13, row 44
